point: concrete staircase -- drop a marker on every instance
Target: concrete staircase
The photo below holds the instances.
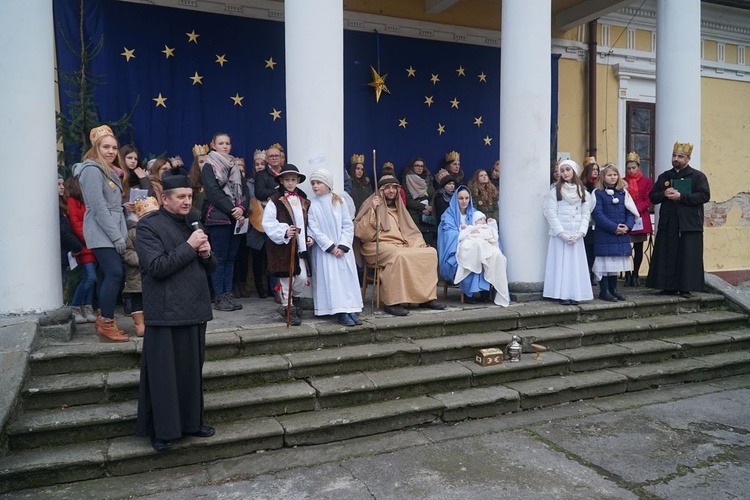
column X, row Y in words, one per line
column 268, row 387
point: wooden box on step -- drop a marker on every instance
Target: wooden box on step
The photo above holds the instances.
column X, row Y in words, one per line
column 489, row 356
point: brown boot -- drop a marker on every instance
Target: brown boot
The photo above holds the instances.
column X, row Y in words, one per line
column 99, row 319
column 140, row 326
column 107, row 328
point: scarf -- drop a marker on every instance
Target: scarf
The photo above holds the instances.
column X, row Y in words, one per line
column 416, row 185
column 569, row 193
column 227, row 174
column 633, row 183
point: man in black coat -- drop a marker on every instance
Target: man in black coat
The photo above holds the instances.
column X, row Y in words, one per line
column 175, row 260
column 677, row 262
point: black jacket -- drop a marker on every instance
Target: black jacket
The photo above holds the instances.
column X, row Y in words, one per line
column 218, row 205
column 687, row 212
column 265, row 184
column 175, row 277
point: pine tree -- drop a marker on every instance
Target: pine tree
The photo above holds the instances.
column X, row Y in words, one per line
column 82, row 115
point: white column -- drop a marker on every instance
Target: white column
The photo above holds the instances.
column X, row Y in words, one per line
column 678, row 80
column 30, row 242
column 525, row 86
column 314, row 36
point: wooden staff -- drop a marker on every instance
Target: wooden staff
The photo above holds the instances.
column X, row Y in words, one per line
column 377, row 234
column 291, row 278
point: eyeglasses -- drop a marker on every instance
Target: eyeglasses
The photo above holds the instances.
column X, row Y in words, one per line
column 274, row 156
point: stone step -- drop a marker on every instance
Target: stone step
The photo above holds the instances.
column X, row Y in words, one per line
column 275, row 339
column 131, row 454
column 79, row 423
column 121, row 385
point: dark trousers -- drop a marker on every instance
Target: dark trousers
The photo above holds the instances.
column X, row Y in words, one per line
column 224, row 244
column 110, row 266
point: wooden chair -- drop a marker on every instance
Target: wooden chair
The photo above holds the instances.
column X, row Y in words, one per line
column 375, row 280
column 445, row 291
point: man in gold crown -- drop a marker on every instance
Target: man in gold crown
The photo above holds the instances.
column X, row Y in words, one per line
column 408, row 266
column 677, row 262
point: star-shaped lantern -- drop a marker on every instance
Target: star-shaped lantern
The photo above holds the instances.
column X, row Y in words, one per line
column 378, row 83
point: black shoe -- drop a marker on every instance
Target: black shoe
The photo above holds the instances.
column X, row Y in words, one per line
column 294, row 319
column 203, row 432
column 613, row 288
column 573, row 302
column 236, row 306
column 469, row 299
column 636, row 281
column 668, row 292
column 345, row 319
column 685, row 294
column 355, row 318
column 396, row 310
column 565, row 302
column 628, row 279
column 433, row 304
column 222, row 304
column 161, row 445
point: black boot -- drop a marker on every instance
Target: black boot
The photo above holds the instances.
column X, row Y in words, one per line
column 628, row 279
column 604, row 289
column 294, row 319
column 613, row 288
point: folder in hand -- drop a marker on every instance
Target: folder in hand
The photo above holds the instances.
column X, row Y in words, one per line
column 684, row 186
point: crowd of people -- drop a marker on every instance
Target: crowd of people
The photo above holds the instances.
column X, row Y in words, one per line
column 171, row 242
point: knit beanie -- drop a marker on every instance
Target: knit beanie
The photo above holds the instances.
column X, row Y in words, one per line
column 324, row 176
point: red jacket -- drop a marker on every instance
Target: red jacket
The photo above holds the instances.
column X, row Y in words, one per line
column 642, row 203
column 76, row 209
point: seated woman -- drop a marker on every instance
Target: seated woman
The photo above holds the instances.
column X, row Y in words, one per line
column 419, row 193
column 480, row 266
column 484, row 194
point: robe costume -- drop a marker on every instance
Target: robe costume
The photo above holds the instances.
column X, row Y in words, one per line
column 677, row 260
column 335, row 283
column 479, row 252
column 176, row 307
column 472, row 278
column 407, row 264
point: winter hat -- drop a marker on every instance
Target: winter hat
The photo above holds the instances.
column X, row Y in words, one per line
column 445, row 179
column 290, row 169
column 324, row 176
column 387, row 179
column 572, row 165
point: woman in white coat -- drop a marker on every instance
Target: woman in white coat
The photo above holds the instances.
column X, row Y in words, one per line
column 567, row 209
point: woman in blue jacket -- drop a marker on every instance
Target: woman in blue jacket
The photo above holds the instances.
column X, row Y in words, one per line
column 614, row 216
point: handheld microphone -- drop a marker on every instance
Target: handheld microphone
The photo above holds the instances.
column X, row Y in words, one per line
column 193, row 219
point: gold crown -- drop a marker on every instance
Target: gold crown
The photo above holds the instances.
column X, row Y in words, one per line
column 682, row 148
column 176, row 161
column 633, row 156
column 200, row 150
column 145, row 205
column 276, row 145
column 452, row 156
column 388, row 166
column 240, row 161
column 358, row 159
column 100, row 131
column 589, row 160
column 259, row 153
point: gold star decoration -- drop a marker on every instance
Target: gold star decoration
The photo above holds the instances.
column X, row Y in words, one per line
column 129, row 54
column 221, row 59
column 193, row 37
column 276, row 114
column 441, row 129
column 168, row 51
column 378, row 83
column 410, row 72
column 454, row 103
column 197, row 79
column 482, row 77
column 270, row 63
column 402, row 122
column 237, row 99
column 487, row 140
column 428, row 100
column 160, row 101
column 434, row 79
column 478, row 121
column 461, row 71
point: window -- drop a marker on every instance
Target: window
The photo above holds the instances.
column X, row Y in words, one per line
column 640, row 133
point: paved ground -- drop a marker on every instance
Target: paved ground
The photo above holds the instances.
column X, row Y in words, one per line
column 688, row 441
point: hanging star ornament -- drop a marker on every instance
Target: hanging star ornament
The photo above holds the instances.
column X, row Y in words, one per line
column 168, row 52
column 402, row 122
column 221, row 59
column 197, row 79
column 270, row 63
column 487, row 140
column 276, row 114
column 237, row 98
column 378, row 83
column 193, row 37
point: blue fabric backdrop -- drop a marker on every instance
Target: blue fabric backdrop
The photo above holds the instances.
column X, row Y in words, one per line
column 193, row 112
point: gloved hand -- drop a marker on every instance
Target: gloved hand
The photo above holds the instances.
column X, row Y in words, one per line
column 120, row 246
